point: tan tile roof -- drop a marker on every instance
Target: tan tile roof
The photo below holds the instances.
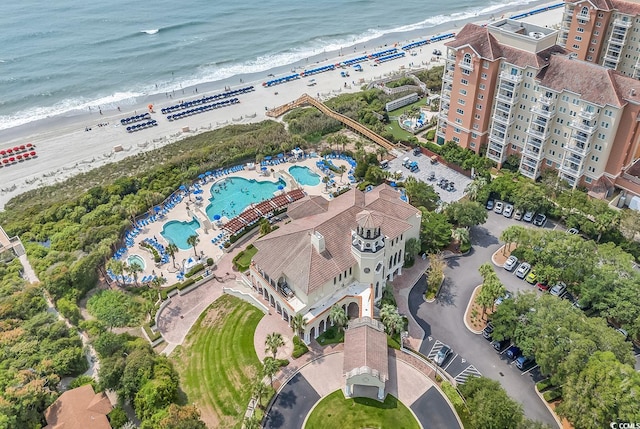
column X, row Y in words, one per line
column 308, row 206
column 628, row 7
column 365, row 345
column 599, row 4
column 489, row 48
column 594, row 83
column 79, row 408
column 288, row 250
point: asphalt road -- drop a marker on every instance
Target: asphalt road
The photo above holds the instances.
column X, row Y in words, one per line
column 442, row 321
column 292, row 404
column 433, row 411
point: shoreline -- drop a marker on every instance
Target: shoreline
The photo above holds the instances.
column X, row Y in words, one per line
column 66, row 149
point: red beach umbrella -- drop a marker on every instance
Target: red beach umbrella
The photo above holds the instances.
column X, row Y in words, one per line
column 32, row 153
column 29, row 145
column 16, row 149
column 19, row 157
column 3, row 152
column 22, row 147
column 26, row 155
column 12, row 159
column 9, row 151
column 5, row 161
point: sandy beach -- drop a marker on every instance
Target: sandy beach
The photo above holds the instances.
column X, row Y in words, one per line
column 65, row 148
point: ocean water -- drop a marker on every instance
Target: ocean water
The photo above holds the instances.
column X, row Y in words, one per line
column 61, row 56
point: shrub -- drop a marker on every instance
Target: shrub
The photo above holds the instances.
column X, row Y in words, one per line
column 195, row 269
column 81, row 381
column 430, row 135
column 164, row 293
column 187, row 283
column 152, row 335
column 552, row 395
column 210, row 261
column 282, row 362
column 118, row 417
column 544, row 384
column 299, row 347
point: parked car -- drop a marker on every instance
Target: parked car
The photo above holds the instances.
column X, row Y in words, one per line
column 513, row 352
column 490, row 205
column 443, row 354
column 573, row 231
column 500, row 299
column 540, row 220
column 487, row 331
column 508, row 210
column 499, row 346
column 432, row 176
column 517, row 215
column 524, row 362
column 623, row 332
column 528, row 216
column 543, row 286
column 523, row 270
column 499, row 207
column 511, row 263
column 531, row 278
column 559, row 289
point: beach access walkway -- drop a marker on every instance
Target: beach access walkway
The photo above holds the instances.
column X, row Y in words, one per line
column 307, row 100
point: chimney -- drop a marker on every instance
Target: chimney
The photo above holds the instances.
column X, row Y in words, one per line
column 632, row 92
column 317, row 240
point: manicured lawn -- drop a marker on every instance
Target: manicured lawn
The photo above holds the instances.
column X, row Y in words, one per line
column 244, row 258
column 335, row 411
column 218, row 363
column 400, row 111
column 331, row 336
column 398, row 132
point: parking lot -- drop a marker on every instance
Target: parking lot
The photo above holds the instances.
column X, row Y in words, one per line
column 425, row 168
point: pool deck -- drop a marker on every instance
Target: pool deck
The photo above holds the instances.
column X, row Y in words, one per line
column 185, row 210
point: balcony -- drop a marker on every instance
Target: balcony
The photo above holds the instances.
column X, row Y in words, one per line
column 614, row 49
column 617, row 31
column 528, row 172
column 529, row 162
column 447, row 77
column 514, row 78
column 611, row 59
column 450, row 66
column 495, row 156
column 571, row 180
column 624, row 23
column 507, row 97
column 589, row 115
column 539, row 132
column 577, row 148
column 543, row 111
column 496, row 147
column 572, row 169
column 497, row 138
column 445, row 96
column 534, row 142
column 539, row 123
column 544, row 100
column 466, row 65
column 583, row 126
column 503, row 119
column 503, row 108
column 583, row 16
column 533, row 154
column 451, row 56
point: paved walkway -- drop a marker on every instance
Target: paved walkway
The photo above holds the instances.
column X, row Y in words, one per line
column 401, row 287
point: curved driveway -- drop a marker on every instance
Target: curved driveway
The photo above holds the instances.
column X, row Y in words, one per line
column 443, row 319
column 324, row 375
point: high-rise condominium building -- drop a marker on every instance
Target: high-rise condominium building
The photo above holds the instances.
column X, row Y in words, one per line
column 605, row 32
column 508, row 89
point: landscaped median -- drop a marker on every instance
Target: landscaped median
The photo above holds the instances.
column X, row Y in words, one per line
column 472, row 321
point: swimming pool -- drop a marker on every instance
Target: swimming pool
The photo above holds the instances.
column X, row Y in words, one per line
column 234, row 194
column 304, row 175
column 177, row 232
column 137, row 260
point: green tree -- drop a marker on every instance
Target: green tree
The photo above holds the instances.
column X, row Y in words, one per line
column 394, row 323
column 273, row 342
column 421, row 194
column 192, row 241
column 435, row 231
column 118, row 417
column 466, row 214
column 133, row 269
column 265, row 227
column 603, row 391
column 490, row 405
column 114, row 308
column 298, row 323
column 260, row 391
column 270, row 368
column 505, row 185
column 175, row 417
column 411, row 248
column 117, row 267
column 81, row 381
column 69, row 309
column 474, row 189
column 338, row 317
column 513, row 234
column 461, row 235
column 630, row 224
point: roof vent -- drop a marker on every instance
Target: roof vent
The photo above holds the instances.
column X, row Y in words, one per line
column 317, row 240
column 536, row 35
column 632, row 92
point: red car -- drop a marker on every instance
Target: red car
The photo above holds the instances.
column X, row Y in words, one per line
column 543, row 286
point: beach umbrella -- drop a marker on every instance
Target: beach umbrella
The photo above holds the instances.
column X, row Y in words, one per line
column 157, row 209
column 263, row 168
column 200, row 176
column 208, row 173
column 280, row 187
column 183, row 188
column 267, row 158
column 198, row 191
column 216, row 217
column 3, row 152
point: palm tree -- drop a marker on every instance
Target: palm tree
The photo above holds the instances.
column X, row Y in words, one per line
column 172, row 249
column 273, row 342
column 117, row 268
column 342, row 140
column 386, row 311
column 381, row 152
column 265, row 227
column 342, row 170
column 473, row 189
column 513, row 234
column 260, row 391
column 192, row 240
column 157, row 283
column 251, row 423
column 298, row 323
column 395, row 324
column 486, row 270
column 134, row 269
column 338, row 317
column 461, row 235
column 270, row 368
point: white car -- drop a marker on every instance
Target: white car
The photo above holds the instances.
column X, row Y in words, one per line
column 508, row 210
column 498, row 207
column 511, row 263
column 559, row 289
column 528, row 216
column 523, row 270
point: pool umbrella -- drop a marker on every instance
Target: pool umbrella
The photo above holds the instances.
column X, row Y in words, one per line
column 263, row 168
column 208, row 173
column 200, row 176
column 183, row 188
column 216, row 217
column 198, row 191
column 267, row 158
column 157, row 209
column 393, row 184
column 280, row 187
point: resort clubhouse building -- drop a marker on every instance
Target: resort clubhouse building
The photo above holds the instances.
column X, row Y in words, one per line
column 338, row 252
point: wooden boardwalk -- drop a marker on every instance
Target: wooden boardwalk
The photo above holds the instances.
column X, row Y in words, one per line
column 307, row 100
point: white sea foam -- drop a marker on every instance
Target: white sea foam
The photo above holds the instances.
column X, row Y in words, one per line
column 66, row 106
column 154, row 31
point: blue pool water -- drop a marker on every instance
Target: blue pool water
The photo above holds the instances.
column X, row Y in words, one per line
column 177, row 232
column 304, row 175
column 136, row 259
column 234, row 194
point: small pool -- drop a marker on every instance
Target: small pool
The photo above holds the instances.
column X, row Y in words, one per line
column 178, row 232
column 136, row 260
column 232, row 195
column 408, row 123
column 304, row 175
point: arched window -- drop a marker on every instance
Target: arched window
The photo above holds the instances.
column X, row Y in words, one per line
column 584, row 11
column 467, row 59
